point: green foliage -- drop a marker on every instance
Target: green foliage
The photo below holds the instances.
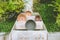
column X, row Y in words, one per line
column 6, row 26
column 48, row 16
column 9, row 9
column 58, row 1
column 36, row 1
column 2, row 6
column 58, row 20
column 12, row 6
column 16, row 5
column 56, row 6
column 46, row 1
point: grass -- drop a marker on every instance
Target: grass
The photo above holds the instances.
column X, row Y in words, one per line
column 5, row 26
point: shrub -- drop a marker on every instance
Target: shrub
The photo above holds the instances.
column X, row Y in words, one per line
column 11, row 6
column 48, row 16
column 9, row 9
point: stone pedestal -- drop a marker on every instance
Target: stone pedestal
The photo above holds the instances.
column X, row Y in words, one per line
column 29, row 35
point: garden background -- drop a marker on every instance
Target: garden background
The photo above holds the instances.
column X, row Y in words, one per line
column 49, row 11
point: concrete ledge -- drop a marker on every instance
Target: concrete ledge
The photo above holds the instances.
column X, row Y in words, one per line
column 2, row 35
column 54, row 36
